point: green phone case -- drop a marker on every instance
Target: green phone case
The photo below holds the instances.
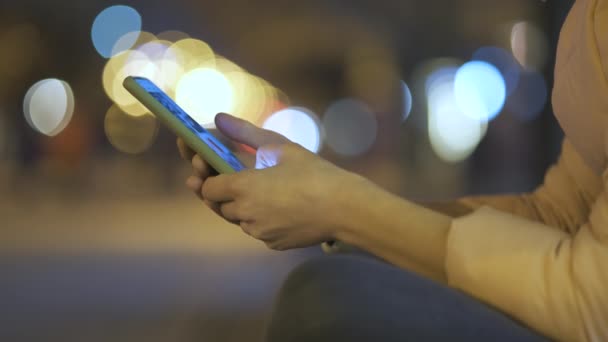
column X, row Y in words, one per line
column 181, row 130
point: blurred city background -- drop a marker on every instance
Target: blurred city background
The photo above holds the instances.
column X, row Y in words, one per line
column 100, row 239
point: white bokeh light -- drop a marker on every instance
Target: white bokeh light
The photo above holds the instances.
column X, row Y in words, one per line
column 529, row 45
column 407, row 100
column 299, row 125
column 480, row 90
column 350, row 127
column 453, row 135
column 48, row 106
column 203, row 93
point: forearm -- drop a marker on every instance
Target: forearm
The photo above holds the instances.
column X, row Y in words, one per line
column 401, row 232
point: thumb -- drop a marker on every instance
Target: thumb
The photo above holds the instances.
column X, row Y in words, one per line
column 247, row 133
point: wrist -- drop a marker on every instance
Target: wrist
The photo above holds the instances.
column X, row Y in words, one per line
column 349, row 206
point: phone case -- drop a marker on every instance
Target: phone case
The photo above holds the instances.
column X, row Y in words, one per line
column 193, row 140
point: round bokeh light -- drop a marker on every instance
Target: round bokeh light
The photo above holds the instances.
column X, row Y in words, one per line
column 350, row 127
column 530, row 97
column 48, row 106
column 407, row 101
column 203, row 93
column 530, row 45
column 299, row 125
column 130, row 134
column 504, row 61
column 480, row 90
column 111, row 25
column 453, row 135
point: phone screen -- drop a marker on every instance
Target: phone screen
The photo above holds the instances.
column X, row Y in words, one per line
column 213, row 143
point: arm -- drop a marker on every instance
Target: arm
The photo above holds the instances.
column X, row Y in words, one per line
column 398, row 231
column 513, row 258
column 562, row 201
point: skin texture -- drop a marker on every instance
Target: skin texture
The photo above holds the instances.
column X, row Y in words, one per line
column 302, row 200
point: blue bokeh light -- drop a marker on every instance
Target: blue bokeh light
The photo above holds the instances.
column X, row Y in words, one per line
column 530, row 97
column 504, row 61
column 350, row 127
column 480, row 90
column 112, row 24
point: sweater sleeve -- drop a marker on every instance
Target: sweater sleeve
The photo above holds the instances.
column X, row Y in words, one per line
column 554, row 280
column 563, row 200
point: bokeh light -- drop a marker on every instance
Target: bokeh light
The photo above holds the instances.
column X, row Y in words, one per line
column 193, row 54
column 48, row 106
column 453, row 135
column 130, row 134
column 480, row 90
column 299, row 125
column 130, row 63
column 132, row 39
column 407, row 100
column 250, row 95
column 529, row 45
column 504, row 61
column 350, row 127
column 530, row 97
column 203, row 93
column 111, row 25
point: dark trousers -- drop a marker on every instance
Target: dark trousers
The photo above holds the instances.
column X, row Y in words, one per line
column 356, row 298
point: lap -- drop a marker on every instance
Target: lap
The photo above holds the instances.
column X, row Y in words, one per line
column 359, row 298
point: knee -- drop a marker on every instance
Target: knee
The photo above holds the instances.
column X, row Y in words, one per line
column 315, row 300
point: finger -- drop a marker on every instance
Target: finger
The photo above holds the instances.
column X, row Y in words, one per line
column 220, row 188
column 195, row 184
column 230, row 211
column 184, row 151
column 214, row 206
column 200, row 167
column 245, row 132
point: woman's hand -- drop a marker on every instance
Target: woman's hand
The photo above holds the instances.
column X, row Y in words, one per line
column 294, row 202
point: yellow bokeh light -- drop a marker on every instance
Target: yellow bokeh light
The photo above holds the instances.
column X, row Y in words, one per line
column 193, row 54
column 269, row 100
column 203, row 93
column 250, row 96
column 130, row 134
column 130, row 63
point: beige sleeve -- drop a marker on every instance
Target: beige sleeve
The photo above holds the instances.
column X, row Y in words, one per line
column 509, row 254
column 562, row 201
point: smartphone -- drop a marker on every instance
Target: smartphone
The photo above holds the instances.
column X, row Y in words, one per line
column 194, row 135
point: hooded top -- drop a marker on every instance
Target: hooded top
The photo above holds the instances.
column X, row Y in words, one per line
column 543, row 257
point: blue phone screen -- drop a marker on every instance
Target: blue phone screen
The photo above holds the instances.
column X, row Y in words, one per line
column 194, row 126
